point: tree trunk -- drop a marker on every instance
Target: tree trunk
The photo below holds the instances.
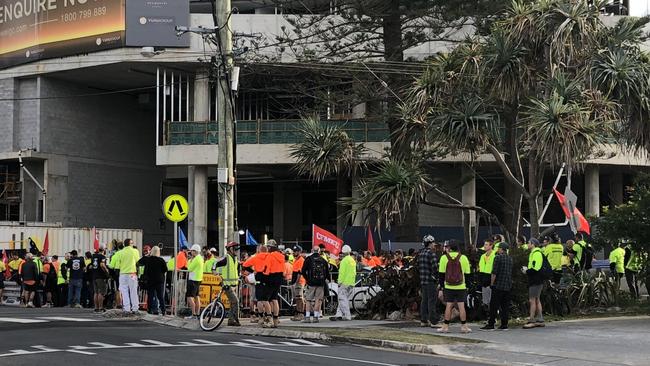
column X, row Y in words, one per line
column 343, row 189
column 409, row 228
column 533, row 190
column 513, row 195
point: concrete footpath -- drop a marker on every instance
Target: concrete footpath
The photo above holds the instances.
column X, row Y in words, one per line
column 604, row 341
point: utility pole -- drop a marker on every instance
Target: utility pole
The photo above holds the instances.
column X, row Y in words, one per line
column 225, row 122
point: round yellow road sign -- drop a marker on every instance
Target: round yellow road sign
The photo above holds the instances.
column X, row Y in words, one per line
column 175, row 208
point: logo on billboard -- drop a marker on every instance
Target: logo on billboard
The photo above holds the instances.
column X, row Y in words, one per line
column 143, row 20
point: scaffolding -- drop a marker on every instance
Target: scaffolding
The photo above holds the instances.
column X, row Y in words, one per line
column 10, row 192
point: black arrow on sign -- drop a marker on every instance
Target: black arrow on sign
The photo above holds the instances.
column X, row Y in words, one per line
column 176, row 204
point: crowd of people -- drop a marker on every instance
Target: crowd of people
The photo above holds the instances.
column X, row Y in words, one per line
column 443, row 272
column 84, row 281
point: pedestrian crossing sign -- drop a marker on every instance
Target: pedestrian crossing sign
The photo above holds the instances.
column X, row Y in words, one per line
column 175, row 208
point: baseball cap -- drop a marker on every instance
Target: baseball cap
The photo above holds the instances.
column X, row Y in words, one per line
column 196, row 248
column 213, row 250
column 346, row 249
column 504, row 246
column 534, row 241
column 297, row 248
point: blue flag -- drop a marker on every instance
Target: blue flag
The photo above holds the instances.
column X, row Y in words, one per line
column 182, row 240
column 249, row 239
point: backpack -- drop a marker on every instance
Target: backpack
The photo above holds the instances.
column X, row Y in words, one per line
column 316, row 275
column 454, row 272
column 587, row 255
column 546, row 271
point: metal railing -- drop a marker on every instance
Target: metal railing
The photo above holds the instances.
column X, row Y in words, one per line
column 267, row 132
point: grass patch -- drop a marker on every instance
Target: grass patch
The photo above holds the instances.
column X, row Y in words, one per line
column 387, row 334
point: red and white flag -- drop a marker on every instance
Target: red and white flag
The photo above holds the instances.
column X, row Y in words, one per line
column 332, row 243
column 576, row 218
column 46, row 243
column 96, row 239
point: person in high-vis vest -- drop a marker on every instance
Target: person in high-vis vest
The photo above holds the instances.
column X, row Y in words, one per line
column 210, row 259
column 535, row 284
column 62, row 282
column 554, row 251
column 633, row 265
column 617, row 263
column 195, row 276
column 229, row 270
column 485, row 265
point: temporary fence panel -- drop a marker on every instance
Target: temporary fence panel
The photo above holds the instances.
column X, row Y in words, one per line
column 11, row 294
column 63, row 239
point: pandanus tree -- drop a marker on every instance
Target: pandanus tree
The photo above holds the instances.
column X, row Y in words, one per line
column 550, row 84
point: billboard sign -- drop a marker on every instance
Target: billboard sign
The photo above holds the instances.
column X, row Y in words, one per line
column 32, row 30
column 153, row 22
column 36, row 29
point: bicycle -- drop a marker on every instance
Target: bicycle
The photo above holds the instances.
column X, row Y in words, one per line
column 360, row 298
column 212, row 316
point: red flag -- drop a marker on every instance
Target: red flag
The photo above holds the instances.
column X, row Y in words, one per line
column 5, row 260
column 96, row 239
column 582, row 225
column 46, row 243
column 371, row 241
column 321, row 236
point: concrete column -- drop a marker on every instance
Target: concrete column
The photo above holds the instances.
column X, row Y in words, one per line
column 200, row 205
column 197, row 176
column 190, row 199
column 278, row 211
column 469, row 199
column 592, row 190
column 201, row 96
column 616, row 187
column 343, row 189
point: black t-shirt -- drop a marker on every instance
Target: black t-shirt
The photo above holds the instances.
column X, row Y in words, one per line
column 76, row 268
column 96, row 262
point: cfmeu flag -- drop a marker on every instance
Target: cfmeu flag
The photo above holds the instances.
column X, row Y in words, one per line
column 250, row 240
column 331, row 242
column 576, row 219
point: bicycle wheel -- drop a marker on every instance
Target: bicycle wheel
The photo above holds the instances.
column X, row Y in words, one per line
column 212, row 316
column 359, row 301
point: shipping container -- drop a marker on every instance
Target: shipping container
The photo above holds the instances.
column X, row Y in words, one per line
column 62, row 239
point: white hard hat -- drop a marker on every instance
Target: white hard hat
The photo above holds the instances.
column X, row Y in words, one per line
column 196, row 248
column 346, row 249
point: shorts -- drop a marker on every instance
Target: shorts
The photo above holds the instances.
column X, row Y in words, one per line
column 31, row 288
column 535, row 291
column 192, row 289
column 273, row 284
column 297, row 291
column 50, row 285
column 454, row 296
column 101, row 285
column 313, row 293
column 2, row 283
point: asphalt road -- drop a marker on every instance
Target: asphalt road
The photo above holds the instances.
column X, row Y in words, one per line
column 77, row 337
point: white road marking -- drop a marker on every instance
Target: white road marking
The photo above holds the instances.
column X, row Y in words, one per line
column 80, row 352
column 46, row 348
column 19, row 351
column 66, row 319
column 203, row 341
column 158, row 343
column 151, row 343
column 259, row 343
column 22, row 320
column 308, row 343
column 323, row 356
column 103, row 345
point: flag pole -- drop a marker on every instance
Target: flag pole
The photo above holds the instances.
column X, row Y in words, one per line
column 175, row 275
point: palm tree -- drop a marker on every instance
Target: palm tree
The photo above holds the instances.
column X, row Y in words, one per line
column 549, row 85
